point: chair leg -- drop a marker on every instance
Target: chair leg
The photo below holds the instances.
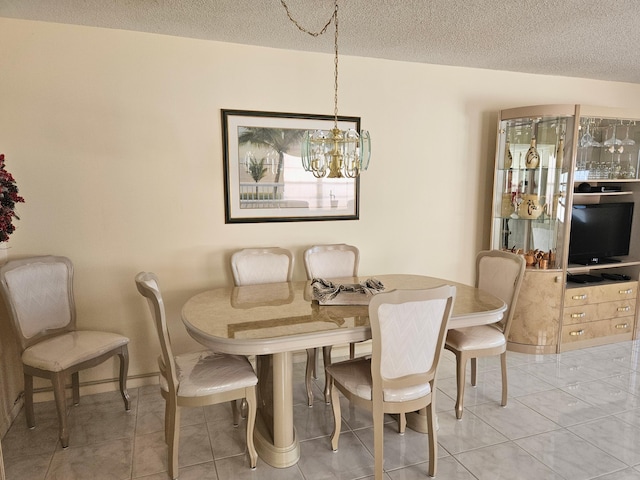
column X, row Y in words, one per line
column 167, row 422
column 474, row 371
column 61, row 407
column 433, row 439
column 75, row 388
column 337, row 419
column 124, row 371
column 461, row 363
column 315, row 364
column 251, row 423
column 311, row 361
column 174, row 437
column 378, row 440
column 235, row 412
column 402, row 423
column 28, row 401
column 326, row 358
column 503, row 366
column 352, row 350
column 243, row 408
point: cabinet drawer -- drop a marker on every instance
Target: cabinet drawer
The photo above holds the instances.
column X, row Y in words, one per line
column 600, row 293
column 600, row 328
column 580, row 314
column 599, row 311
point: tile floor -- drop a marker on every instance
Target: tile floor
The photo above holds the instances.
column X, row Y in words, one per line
column 571, row 416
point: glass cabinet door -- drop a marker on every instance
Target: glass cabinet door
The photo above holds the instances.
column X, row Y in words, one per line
column 533, row 160
column 608, row 149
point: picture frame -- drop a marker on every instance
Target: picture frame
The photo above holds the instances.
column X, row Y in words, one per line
column 264, row 180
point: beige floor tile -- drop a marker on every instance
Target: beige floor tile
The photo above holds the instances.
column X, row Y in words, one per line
column 32, row 467
column 574, row 415
column 515, row 420
column 237, row 468
column 448, row 468
column 400, row 450
column 108, row 461
column 505, row 461
column 569, row 455
column 352, row 460
column 466, row 434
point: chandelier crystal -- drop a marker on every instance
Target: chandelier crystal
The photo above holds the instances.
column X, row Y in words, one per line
column 333, row 153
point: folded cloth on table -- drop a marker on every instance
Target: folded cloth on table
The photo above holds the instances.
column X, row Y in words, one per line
column 324, row 290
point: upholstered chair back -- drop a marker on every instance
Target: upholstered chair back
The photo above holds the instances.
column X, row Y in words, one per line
column 252, row 266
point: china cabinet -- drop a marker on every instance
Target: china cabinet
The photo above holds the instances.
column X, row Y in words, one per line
column 567, row 196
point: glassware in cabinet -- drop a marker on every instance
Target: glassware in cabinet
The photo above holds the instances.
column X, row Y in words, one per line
column 587, row 155
column 608, row 149
column 530, row 185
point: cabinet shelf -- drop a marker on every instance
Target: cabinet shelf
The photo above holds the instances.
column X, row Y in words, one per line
column 600, row 194
column 609, row 180
column 572, row 285
column 542, row 220
column 623, row 262
column 524, row 169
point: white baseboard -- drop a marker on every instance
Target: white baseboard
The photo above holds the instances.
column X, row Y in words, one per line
column 101, row 386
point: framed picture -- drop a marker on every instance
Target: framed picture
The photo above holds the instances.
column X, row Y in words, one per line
column 264, row 180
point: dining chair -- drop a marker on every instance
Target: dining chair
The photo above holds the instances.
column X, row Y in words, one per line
column 499, row 273
column 408, row 329
column 328, row 261
column 253, row 266
column 38, row 292
column 197, row 379
column 331, row 261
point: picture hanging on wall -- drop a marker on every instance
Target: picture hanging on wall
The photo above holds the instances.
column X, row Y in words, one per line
column 264, row 180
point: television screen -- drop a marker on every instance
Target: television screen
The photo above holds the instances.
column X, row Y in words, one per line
column 600, row 231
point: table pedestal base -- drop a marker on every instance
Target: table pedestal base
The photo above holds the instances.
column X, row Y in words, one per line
column 418, row 421
column 275, row 436
column 278, row 457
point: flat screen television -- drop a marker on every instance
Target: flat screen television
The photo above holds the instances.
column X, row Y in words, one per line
column 600, row 231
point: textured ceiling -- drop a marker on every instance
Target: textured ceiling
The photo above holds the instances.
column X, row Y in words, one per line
column 576, row 38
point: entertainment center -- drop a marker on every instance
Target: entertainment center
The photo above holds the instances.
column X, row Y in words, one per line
column 567, row 196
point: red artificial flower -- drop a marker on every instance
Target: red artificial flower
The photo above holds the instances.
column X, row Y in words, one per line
column 8, row 199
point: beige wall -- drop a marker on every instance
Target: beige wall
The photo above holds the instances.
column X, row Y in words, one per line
column 114, row 138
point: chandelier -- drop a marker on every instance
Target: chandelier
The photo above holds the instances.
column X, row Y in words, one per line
column 338, row 153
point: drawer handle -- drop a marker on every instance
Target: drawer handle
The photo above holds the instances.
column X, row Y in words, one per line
column 580, row 297
column 578, row 315
column 575, row 333
column 624, row 309
column 622, row 325
column 625, row 292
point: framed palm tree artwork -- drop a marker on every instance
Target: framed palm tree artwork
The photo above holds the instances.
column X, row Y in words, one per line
column 264, row 179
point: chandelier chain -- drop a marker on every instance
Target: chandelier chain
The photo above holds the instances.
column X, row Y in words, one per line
column 335, row 71
column 334, row 18
column 336, row 153
column 302, row 29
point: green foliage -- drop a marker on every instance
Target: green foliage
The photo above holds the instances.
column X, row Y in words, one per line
column 281, row 140
column 257, row 170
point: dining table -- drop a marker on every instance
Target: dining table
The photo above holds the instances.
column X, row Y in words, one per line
column 274, row 320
